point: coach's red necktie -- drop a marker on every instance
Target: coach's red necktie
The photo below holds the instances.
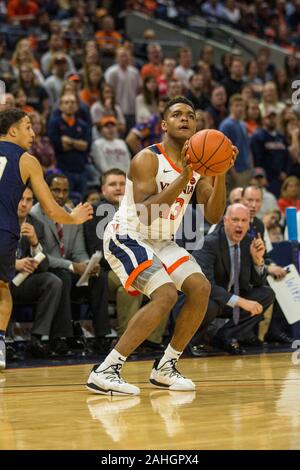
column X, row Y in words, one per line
column 60, row 234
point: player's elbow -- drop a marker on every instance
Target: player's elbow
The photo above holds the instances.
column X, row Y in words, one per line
column 213, row 218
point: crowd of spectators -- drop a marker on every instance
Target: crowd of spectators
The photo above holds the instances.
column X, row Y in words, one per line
column 95, row 99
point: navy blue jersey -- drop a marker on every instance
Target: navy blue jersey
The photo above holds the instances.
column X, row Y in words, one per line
column 11, row 186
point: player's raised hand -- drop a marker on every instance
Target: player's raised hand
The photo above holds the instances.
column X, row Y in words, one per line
column 187, row 170
column 82, row 213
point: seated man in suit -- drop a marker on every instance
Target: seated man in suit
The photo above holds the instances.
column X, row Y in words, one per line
column 41, row 287
column 112, row 189
column 234, row 264
column 65, row 247
column 252, row 197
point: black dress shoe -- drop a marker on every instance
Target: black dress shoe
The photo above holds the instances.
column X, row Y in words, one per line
column 199, row 350
column 253, row 341
column 59, row 347
column 281, row 338
column 231, row 346
column 102, row 345
column 37, row 348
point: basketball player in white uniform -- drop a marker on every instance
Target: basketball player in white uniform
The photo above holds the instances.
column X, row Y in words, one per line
column 139, row 246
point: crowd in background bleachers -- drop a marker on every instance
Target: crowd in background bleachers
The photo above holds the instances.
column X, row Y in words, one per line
column 95, row 98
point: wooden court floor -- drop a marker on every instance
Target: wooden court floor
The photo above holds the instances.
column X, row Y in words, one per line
column 240, row 403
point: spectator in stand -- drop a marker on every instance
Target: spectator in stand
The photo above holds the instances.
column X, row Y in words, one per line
column 265, row 68
column 42, row 148
column 125, row 81
column 6, row 70
column 207, row 56
column 269, row 201
column 290, row 194
column 292, row 66
column 92, row 196
column 70, row 137
column 212, row 10
column 217, row 110
column 270, row 151
column 37, row 96
column 291, row 130
column 175, row 89
column 21, row 99
column 247, row 92
column 235, row 195
column 205, row 71
column 252, row 116
column 8, row 102
column 22, row 12
column 270, row 98
column 235, row 128
column 108, row 151
column 92, row 85
column 147, row 102
column 107, row 38
column 202, row 121
column 154, row 66
column 184, row 71
column 73, row 85
column 54, row 83
column 233, row 84
column 56, row 45
column 106, row 106
column 147, row 133
column 275, row 233
column 231, row 12
column 167, row 75
column 283, row 84
column 23, row 55
column 252, row 76
column 195, row 93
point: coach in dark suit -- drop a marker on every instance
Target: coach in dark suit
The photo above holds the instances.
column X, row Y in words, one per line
column 234, row 264
column 41, row 287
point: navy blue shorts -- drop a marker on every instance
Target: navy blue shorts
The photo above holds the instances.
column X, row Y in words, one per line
column 8, row 248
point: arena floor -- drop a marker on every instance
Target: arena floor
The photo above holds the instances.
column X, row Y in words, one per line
column 240, row 403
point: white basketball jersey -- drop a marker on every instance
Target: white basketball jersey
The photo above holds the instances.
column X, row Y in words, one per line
column 166, row 225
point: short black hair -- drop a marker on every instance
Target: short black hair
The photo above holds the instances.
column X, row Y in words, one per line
column 113, row 171
column 52, row 176
column 8, row 117
column 176, row 100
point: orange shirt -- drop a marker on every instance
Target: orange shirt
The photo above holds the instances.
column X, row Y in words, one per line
column 89, row 97
column 15, row 8
column 150, row 69
column 104, row 38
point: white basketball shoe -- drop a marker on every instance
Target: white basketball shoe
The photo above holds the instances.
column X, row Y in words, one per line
column 167, row 376
column 107, row 381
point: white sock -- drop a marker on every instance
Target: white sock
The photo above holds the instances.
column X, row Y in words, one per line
column 169, row 354
column 114, row 357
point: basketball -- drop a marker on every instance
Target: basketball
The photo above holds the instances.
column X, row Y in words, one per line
column 210, row 152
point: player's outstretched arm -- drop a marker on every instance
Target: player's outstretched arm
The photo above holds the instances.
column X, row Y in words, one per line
column 143, row 172
column 213, row 196
column 31, row 170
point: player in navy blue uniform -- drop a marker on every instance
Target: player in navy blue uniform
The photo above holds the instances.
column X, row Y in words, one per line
column 17, row 168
